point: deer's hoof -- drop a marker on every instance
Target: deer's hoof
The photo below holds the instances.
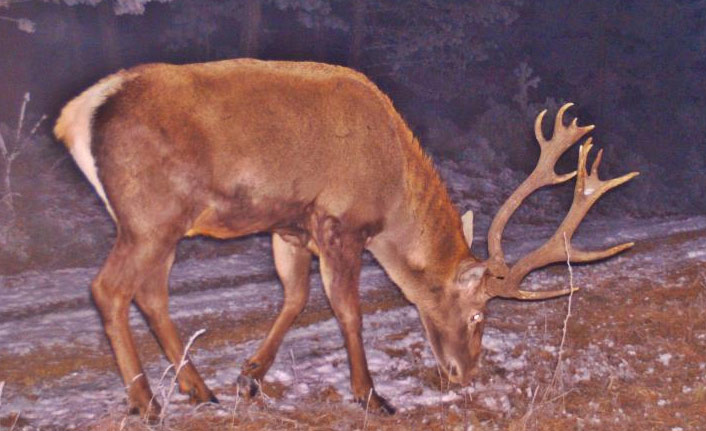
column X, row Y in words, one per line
column 376, row 403
column 148, row 412
column 247, row 386
column 202, row 397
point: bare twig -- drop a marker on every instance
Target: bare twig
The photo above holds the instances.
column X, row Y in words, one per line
column 127, row 390
column 571, row 295
column 441, row 394
column 160, row 386
column 123, row 423
column 294, row 368
column 21, row 119
column 22, row 141
column 465, row 410
column 182, row 364
column 17, row 418
column 36, row 125
column 530, row 411
column 9, row 154
column 559, row 365
column 265, row 398
column 367, row 407
column 58, row 162
column 3, row 147
column 2, row 386
column 561, row 395
column 235, row 406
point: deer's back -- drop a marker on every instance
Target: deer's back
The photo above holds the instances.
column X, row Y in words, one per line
column 256, row 141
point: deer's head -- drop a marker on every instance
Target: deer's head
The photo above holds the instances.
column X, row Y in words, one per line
column 455, row 330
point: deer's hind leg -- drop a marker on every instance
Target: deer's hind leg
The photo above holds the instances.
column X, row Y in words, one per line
column 153, row 300
column 292, row 262
column 131, row 262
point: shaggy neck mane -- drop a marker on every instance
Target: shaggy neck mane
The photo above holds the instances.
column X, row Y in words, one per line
column 437, row 224
column 434, row 243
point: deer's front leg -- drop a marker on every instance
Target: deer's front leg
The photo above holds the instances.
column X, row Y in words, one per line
column 340, row 264
column 292, row 262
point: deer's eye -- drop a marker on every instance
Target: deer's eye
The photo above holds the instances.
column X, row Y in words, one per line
column 478, row 317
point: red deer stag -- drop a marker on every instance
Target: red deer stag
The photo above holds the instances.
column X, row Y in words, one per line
column 318, row 156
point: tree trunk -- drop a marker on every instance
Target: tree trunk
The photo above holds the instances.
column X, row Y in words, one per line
column 108, row 24
column 75, row 40
column 8, row 156
column 321, row 39
column 358, row 32
column 250, row 29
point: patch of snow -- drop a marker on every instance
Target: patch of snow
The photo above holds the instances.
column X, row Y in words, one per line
column 581, row 375
column 279, row 375
column 664, row 359
column 53, row 309
column 697, row 254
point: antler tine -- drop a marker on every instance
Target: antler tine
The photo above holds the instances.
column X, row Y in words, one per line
column 542, row 175
column 526, row 295
column 589, row 188
column 597, row 163
column 538, row 128
column 559, row 119
column 578, row 255
column 562, row 139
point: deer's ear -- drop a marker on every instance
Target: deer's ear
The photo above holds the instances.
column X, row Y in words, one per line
column 471, row 276
column 467, row 221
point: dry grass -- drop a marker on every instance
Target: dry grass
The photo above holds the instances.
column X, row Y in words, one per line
column 630, row 318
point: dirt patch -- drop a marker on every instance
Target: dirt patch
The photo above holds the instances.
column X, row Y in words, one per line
column 634, row 358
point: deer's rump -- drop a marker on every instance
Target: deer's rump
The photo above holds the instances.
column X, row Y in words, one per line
column 241, row 148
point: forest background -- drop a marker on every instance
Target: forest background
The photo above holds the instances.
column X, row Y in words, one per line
column 468, row 76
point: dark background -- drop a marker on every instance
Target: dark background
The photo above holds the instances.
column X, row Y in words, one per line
column 468, row 76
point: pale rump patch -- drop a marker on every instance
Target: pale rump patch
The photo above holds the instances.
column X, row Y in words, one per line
column 467, row 221
column 74, row 128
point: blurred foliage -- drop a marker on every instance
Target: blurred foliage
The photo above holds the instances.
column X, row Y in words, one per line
column 469, row 77
column 436, row 47
column 314, row 13
column 132, row 7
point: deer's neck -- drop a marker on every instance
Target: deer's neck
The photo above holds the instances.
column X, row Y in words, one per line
column 422, row 243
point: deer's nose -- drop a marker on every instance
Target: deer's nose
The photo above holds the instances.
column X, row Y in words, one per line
column 454, row 372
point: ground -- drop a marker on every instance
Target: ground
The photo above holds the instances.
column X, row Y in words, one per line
column 631, row 355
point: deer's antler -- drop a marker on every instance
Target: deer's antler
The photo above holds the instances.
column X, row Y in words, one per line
column 589, row 188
